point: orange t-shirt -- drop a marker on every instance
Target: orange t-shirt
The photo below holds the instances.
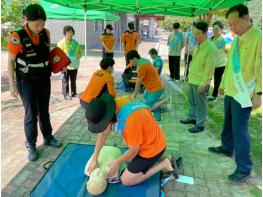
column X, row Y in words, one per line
column 150, row 77
column 99, row 80
column 142, row 130
column 14, row 44
column 130, row 40
column 108, row 40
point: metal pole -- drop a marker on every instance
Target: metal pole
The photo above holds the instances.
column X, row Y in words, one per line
column 187, row 57
column 85, row 20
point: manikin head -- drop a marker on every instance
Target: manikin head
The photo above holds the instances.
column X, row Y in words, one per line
column 97, row 182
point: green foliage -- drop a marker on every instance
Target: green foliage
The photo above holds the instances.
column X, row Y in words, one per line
column 168, row 22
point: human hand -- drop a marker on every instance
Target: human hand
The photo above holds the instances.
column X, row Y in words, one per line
column 201, row 89
column 13, row 90
column 256, row 100
column 92, row 165
column 221, row 91
column 113, row 168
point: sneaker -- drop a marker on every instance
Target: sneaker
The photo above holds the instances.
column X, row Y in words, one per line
column 212, row 99
column 32, row 153
column 67, row 97
column 53, row 142
column 196, row 129
column 220, row 150
column 75, row 96
column 188, row 121
column 238, row 176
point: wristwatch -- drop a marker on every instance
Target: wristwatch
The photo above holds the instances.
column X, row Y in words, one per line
column 259, row 93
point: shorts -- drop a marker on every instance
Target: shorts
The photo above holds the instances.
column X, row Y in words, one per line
column 152, row 97
column 140, row 164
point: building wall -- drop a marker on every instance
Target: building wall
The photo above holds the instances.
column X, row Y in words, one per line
column 94, row 30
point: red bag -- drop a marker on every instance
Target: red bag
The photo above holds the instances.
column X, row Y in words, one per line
column 58, row 60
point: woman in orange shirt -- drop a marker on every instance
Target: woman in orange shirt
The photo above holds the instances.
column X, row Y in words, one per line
column 107, row 41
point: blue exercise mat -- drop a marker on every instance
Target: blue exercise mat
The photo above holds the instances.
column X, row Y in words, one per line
column 66, row 178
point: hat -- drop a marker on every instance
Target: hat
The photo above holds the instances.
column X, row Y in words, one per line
column 99, row 112
column 109, row 26
column 58, row 60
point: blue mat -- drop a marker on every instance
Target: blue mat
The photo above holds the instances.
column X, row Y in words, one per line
column 66, row 178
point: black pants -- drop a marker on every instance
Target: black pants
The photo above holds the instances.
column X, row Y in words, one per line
column 72, row 74
column 217, row 80
column 174, row 67
column 35, row 96
column 105, row 55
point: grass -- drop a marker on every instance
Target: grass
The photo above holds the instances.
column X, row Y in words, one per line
column 215, row 124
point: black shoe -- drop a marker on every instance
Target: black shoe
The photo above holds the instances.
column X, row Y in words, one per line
column 32, row 153
column 220, row 150
column 53, row 142
column 188, row 121
column 238, row 176
column 67, row 97
column 196, row 129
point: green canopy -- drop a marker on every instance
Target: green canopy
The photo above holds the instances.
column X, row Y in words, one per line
column 55, row 11
column 166, row 7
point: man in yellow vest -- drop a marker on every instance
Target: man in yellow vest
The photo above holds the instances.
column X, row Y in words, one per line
column 242, row 86
column 200, row 74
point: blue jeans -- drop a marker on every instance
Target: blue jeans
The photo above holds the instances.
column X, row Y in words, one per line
column 235, row 136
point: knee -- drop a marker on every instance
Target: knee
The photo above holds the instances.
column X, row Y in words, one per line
column 127, row 181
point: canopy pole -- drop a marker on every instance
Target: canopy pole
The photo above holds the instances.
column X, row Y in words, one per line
column 187, row 56
column 85, row 20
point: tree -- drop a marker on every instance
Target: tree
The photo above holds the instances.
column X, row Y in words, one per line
column 11, row 16
column 168, row 22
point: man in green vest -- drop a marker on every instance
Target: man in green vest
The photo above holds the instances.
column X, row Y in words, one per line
column 200, row 74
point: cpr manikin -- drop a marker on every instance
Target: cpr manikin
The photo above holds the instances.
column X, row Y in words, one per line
column 97, row 182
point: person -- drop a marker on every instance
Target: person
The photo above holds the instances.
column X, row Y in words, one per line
column 200, row 74
column 148, row 76
column 242, row 86
column 175, row 43
column 190, row 43
column 100, row 82
column 130, row 40
column 72, row 48
column 28, row 51
column 157, row 60
column 107, row 42
column 140, row 131
column 220, row 43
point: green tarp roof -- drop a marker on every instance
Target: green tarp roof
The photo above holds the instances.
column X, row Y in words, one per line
column 166, row 7
column 55, row 11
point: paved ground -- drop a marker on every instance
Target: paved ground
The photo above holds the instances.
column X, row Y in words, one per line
column 19, row 176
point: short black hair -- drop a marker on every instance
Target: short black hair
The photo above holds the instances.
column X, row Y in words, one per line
column 67, row 29
column 240, row 8
column 153, row 51
column 131, row 25
column 133, row 53
column 106, row 62
column 176, row 25
column 201, row 25
column 34, row 12
column 219, row 24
